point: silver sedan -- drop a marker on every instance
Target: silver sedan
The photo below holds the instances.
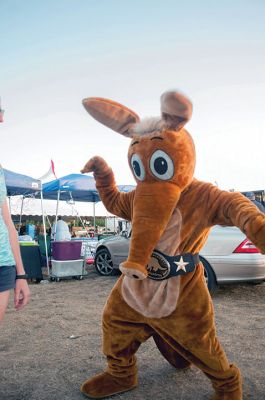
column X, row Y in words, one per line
column 228, row 257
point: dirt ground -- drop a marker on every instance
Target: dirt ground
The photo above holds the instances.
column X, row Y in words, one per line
column 39, row 360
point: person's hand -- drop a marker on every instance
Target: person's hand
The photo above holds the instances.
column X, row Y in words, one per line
column 21, row 294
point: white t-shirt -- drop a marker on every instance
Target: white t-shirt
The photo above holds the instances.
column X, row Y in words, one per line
column 62, row 231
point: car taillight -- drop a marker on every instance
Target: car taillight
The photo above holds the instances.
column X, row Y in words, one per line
column 246, row 247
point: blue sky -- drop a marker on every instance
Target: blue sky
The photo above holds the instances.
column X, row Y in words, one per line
column 55, row 53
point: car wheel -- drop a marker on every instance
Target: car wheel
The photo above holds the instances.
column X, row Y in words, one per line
column 103, row 262
column 209, row 275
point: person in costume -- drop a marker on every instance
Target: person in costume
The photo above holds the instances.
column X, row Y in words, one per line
column 12, row 273
column 162, row 291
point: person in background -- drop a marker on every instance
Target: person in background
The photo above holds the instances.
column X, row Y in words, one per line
column 73, row 234
column 22, row 229
column 60, row 230
column 251, row 196
column 12, row 273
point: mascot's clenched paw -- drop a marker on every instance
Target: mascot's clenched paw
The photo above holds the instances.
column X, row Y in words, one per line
column 94, row 164
column 105, row 385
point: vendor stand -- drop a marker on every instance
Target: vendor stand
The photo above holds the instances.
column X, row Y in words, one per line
column 24, row 186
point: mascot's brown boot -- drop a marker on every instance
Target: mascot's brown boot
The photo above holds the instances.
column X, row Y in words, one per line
column 105, row 385
column 228, row 396
column 232, row 389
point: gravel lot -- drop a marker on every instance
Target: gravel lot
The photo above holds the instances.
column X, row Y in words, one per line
column 40, row 361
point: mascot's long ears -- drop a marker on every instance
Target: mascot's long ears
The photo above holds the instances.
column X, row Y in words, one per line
column 176, row 110
column 162, row 158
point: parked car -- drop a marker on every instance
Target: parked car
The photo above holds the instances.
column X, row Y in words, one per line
column 228, row 257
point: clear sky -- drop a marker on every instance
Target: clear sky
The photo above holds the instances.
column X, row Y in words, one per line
column 53, row 53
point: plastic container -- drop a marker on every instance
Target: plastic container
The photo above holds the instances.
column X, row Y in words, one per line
column 67, row 268
column 67, row 250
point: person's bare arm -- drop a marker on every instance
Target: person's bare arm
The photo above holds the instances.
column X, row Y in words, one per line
column 22, row 293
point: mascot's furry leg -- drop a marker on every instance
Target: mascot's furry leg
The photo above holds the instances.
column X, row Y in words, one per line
column 170, row 354
column 125, row 329
column 121, row 340
column 199, row 345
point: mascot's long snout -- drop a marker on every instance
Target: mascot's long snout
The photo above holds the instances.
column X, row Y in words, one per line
column 153, row 206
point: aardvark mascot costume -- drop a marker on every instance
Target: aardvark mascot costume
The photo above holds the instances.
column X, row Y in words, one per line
column 162, row 292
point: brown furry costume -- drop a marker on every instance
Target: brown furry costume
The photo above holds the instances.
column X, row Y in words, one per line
column 171, row 212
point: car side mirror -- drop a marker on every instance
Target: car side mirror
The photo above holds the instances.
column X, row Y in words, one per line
column 126, row 234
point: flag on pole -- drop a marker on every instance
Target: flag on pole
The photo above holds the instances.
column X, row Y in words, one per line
column 53, row 169
column 1, row 113
column 50, row 174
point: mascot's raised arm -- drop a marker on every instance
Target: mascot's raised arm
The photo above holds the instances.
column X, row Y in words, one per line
column 162, row 291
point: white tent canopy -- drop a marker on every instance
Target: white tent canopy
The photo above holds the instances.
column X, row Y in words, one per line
column 32, row 206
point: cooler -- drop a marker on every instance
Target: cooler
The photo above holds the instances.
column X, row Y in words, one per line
column 66, row 250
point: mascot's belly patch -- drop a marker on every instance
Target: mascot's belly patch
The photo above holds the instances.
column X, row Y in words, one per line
column 157, row 299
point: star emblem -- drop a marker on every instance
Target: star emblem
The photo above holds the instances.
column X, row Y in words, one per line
column 181, row 264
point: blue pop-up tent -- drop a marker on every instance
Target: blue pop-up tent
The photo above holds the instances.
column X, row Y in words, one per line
column 18, row 184
column 75, row 187
column 71, row 188
column 24, row 185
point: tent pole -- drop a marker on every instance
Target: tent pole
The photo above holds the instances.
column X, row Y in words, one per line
column 94, row 214
column 56, row 217
column 44, row 231
column 20, row 217
column 50, row 225
column 82, row 222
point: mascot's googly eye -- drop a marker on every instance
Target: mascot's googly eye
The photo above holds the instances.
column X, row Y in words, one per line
column 137, row 166
column 161, row 165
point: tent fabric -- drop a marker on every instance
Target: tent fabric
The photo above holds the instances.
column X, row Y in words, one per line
column 77, row 187
column 74, row 186
column 18, row 184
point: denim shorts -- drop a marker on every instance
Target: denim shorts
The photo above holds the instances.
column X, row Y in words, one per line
column 7, row 277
